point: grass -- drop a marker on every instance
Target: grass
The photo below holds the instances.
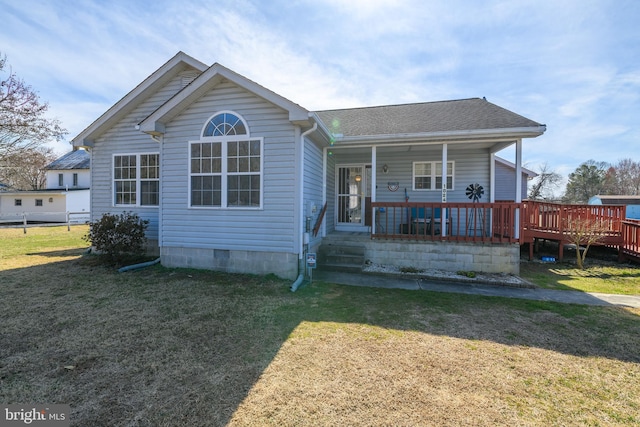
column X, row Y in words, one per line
column 173, row 347
column 599, row 276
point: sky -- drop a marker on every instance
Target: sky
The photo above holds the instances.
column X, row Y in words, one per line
column 571, row 65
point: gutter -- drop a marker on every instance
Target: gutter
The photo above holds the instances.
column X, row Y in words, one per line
column 510, row 133
column 300, row 278
column 297, row 283
column 138, row 266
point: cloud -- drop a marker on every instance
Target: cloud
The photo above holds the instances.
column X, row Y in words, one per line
column 570, row 64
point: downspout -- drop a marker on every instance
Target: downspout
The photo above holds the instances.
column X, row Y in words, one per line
column 301, row 248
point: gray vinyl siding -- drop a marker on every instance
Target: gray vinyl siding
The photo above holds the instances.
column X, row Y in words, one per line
column 123, row 138
column 506, row 183
column 470, row 166
column 313, row 187
column 270, row 229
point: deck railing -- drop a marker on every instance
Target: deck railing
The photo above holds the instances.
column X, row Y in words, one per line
column 469, row 222
column 631, row 238
column 496, row 222
column 554, row 218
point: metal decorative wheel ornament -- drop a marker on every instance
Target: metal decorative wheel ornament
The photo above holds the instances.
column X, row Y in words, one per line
column 475, row 192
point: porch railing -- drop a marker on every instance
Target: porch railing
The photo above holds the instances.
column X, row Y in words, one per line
column 469, row 222
column 554, row 218
column 631, row 237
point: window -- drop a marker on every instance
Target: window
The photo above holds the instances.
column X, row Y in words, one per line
column 17, row 202
column 428, row 175
column 136, row 179
column 38, row 202
column 149, row 180
column 226, row 165
column 75, row 179
column 60, row 180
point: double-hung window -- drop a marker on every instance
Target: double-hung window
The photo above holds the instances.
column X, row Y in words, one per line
column 136, row 179
column 225, row 166
column 428, row 175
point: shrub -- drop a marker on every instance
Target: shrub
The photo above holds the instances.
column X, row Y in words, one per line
column 117, row 237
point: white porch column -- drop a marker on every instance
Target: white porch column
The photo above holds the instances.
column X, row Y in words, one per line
column 492, row 177
column 374, row 160
column 443, row 216
column 519, row 171
column 325, row 153
column 518, row 184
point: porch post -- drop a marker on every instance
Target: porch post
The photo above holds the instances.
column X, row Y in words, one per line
column 324, row 187
column 443, row 216
column 518, row 185
column 374, row 159
column 492, row 177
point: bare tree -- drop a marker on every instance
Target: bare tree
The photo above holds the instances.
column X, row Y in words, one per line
column 25, row 170
column 584, row 228
column 23, row 124
column 623, row 178
column 545, row 183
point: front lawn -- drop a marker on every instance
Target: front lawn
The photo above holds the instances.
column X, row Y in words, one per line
column 599, row 276
column 175, row 347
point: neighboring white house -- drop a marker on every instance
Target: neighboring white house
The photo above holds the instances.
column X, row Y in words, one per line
column 233, row 176
column 68, row 181
column 631, row 202
column 506, row 178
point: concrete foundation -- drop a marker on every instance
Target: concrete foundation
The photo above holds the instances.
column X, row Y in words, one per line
column 447, row 256
column 435, row 255
column 284, row 265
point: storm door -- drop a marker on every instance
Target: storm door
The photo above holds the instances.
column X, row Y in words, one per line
column 353, row 188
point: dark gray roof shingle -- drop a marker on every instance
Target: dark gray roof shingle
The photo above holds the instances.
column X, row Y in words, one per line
column 443, row 116
column 78, row 159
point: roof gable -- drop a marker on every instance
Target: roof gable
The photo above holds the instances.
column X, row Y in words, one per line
column 180, row 62
column 155, row 123
column 512, row 166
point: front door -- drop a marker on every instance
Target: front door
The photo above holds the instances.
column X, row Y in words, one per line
column 353, row 189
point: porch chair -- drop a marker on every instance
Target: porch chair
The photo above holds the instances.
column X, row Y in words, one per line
column 422, row 221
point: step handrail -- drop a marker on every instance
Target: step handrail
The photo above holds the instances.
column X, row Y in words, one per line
column 316, row 228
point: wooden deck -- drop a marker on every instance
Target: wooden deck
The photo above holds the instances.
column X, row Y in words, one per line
column 552, row 221
column 497, row 223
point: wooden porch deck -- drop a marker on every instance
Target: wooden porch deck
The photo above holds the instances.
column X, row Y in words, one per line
column 553, row 221
column 497, row 223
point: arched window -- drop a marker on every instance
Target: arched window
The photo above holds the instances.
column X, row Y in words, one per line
column 224, row 124
column 225, row 165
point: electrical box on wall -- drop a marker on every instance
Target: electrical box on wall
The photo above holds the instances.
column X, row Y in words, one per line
column 312, row 208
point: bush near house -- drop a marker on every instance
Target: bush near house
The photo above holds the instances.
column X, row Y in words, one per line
column 118, row 236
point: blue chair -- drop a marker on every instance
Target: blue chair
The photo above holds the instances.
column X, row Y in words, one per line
column 437, row 220
column 422, row 221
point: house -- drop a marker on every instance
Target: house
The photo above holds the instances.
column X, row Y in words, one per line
column 632, row 203
column 506, row 178
column 235, row 177
column 67, row 192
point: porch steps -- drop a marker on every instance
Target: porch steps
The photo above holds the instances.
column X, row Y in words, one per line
column 341, row 257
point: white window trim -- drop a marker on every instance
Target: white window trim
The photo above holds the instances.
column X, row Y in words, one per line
column 224, row 174
column 217, row 113
column 434, row 175
column 138, row 180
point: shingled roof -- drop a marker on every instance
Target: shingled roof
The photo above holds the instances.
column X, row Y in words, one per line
column 78, row 159
column 444, row 116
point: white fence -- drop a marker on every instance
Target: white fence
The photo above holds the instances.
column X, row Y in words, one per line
column 25, row 219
